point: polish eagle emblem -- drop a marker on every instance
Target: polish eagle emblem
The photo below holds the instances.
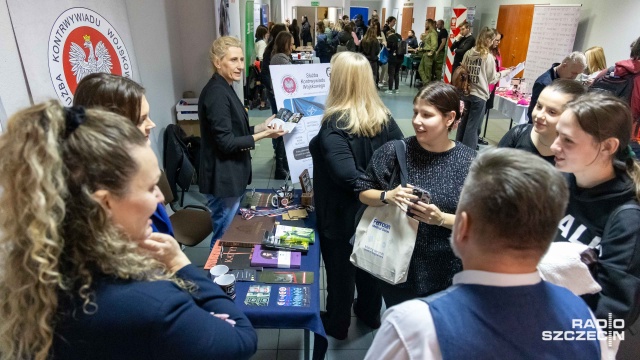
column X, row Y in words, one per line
column 97, row 61
column 289, row 85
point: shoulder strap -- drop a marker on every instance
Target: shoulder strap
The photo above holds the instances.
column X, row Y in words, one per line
column 401, row 156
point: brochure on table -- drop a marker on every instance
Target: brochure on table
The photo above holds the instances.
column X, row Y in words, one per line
column 505, row 81
column 301, row 89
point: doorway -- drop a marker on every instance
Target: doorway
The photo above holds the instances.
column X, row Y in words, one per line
column 407, row 21
column 310, row 13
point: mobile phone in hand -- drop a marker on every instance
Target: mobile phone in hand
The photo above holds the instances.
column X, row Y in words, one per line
column 422, row 194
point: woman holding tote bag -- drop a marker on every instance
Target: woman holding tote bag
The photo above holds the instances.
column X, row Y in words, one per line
column 437, row 165
column 355, row 124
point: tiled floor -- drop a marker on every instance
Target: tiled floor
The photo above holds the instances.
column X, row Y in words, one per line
column 287, row 344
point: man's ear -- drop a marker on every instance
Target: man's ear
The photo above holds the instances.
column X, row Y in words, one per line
column 103, row 197
column 461, row 228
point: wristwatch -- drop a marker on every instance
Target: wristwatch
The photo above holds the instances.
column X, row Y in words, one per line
column 383, row 197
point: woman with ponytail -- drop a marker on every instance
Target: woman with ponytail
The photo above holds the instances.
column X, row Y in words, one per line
column 604, row 182
column 82, row 274
column 125, row 97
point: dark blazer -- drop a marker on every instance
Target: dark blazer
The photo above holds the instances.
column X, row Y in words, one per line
column 460, row 48
column 541, row 82
column 339, row 159
column 225, row 161
column 153, row 320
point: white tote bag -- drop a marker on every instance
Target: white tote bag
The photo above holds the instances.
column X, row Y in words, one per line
column 385, row 235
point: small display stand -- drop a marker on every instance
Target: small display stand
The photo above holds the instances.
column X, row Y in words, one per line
column 307, row 188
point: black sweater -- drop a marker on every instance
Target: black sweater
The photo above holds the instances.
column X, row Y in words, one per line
column 339, row 159
column 433, row 263
column 619, row 265
column 519, row 137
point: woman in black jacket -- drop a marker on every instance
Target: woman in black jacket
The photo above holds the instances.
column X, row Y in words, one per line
column 593, row 148
column 355, row 124
column 294, row 29
column 225, row 165
column 370, row 48
column 305, row 36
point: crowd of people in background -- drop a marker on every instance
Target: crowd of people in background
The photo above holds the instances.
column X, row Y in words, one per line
column 91, row 264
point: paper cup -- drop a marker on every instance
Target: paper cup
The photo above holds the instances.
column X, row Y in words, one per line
column 218, row 270
column 228, row 284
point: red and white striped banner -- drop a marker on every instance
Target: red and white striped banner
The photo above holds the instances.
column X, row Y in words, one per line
column 459, row 16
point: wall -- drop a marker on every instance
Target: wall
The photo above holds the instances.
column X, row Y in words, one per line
column 156, row 37
column 13, row 88
column 612, row 25
column 419, row 11
column 196, row 36
column 288, row 4
column 372, row 5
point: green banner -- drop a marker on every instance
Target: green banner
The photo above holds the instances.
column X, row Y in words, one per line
column 249, row 36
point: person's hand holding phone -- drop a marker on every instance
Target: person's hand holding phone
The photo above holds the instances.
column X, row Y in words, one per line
column 400, row 196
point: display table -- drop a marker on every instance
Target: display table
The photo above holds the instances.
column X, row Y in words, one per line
column 281, row 317
column 509, row 107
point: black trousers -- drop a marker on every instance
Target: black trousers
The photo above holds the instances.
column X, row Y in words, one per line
column 394, row 74
column 374, row 69
column 394, row 295
column 342, row 278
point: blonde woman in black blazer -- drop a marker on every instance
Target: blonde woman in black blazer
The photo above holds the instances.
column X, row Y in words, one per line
column 225, row 165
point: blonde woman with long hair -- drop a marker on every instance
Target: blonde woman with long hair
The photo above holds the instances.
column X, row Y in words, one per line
column 356, row 123
column 481, row 65
column 83, row 276
column 596, row 61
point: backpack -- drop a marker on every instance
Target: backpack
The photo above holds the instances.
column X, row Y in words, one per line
column 621, row 87
column 460, row 79
column 349, row 45
column 402, row 49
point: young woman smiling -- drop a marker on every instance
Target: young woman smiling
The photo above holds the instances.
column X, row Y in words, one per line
column 434, row 163
column 592, row 147
column 537, row 138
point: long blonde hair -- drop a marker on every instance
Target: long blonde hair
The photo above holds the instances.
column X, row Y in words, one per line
column 54, row 237
column 484, row 41
column 596, row 60
column 353, row 96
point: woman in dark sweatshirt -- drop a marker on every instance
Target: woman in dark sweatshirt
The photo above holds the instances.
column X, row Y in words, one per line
column 370, row 48
column 593, row 148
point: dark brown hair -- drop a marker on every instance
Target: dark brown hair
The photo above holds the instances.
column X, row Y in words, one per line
column 444, row 97
column 605, row 116
column 261, row 31
column 320, row 26
column 464, row 24
column 348, row 28
column 282, row 43
column 114, row 93
column 635, row 49
column 568, row 87
column 273, row 34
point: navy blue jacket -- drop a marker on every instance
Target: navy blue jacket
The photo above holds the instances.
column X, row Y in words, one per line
column 160, row 221
column 153, row 320
column 541, row 82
